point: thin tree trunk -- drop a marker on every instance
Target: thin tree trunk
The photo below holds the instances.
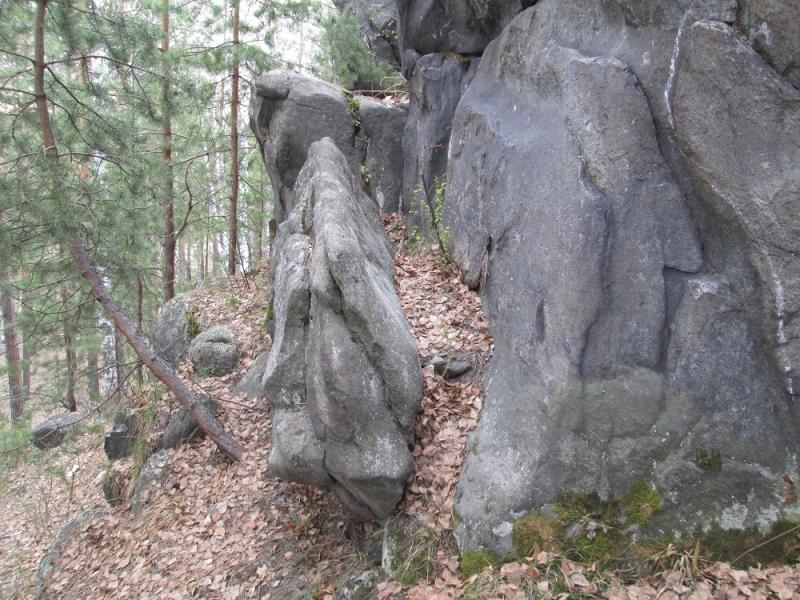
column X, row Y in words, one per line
column 93, row 375
column 234, row 209
column 169, row 206
column 70, row 355
column 10, row 333
column 139, row 322
column 187, row 246
column 157, row 365
column 119, row 356
column 27, row 355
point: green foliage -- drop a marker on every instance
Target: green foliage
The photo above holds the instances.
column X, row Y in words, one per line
column 641, row 501
column 347, row 60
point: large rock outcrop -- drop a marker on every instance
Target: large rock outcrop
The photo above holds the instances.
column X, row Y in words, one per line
column 435, row 88
column 284, row 100
column 343, row 374
column 623, row 187
column 377, row 20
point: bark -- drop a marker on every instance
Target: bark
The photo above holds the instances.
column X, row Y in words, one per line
column 156, row 365
column 234, row 208
column 16, row 395
column 27, row 355
column 169, row 201
column 119, row 357
column 139, row 322
column 70, row 356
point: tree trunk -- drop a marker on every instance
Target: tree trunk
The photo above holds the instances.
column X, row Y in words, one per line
column 27, row 355
column 139, row 322
column 234, row 209
column 169, row 202
column 158, row 367
column 70, row 356
column 10, row 333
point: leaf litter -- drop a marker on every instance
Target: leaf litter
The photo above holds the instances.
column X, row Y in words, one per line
column 223, row 530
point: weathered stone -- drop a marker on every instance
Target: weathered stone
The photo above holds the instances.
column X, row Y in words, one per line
column 435, row 89
column 450, row 368
column 252, row 382
column 360, row 587
column 588, row 131
column 773, row 28
column 289, row 112
column 183, row 427
column 177, row 325
column 52, row 557
column 383, row 128
column 214, row 352
column 377, row 20
column 297, row 453
column 284, row 379
column 428, row 26
column 353, row 385
column 149, row 482
column 52, row 432
column 119, row 442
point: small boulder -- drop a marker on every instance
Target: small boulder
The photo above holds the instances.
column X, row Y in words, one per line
column 361, row 586
column 214, row 353
column 153, row 472
column 49, row 561
column 119, row 442
column 450, row 369
column 252, row 382
column 178, row 323
column 183, row 427
column 52, row 432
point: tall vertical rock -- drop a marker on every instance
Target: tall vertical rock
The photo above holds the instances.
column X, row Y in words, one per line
column 621, row 188
column 343, row 374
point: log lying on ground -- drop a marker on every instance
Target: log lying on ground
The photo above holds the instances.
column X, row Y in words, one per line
column 152, row 361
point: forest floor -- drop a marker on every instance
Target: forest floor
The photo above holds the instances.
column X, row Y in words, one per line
column 230, row 530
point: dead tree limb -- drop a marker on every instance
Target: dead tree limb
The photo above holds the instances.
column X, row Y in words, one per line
column 152, row 361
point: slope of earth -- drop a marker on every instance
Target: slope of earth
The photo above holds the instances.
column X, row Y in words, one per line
column 223, row 530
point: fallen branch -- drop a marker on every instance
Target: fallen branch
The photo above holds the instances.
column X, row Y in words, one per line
column 152, row 361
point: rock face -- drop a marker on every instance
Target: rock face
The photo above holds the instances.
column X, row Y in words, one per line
column 281, row 102
column 428, row 26
column 367, row 132
column 773, row 27
column 382, row 127
column 623, row 187
column 377, row 20
column 149, row 481
column 53, row 431
column 214, row 352
column 343, row 374
column 119, row 442
column 177, row 325
column 183, row 427
column 435, row 89
column 51, row 558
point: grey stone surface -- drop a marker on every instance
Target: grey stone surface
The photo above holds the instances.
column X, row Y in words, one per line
column 621, row 184
column 148, row 485
column 214, row 352
column 51, row 432
column 285, row 375
column 173, row 331
column 50, row 560
column 773, row 28
column 377, row 20
column 435, row 88
column 354, row 384
column 428, row 26
column 383, row 128
column 289, row 112
column 252, row 382
column 183, row 427
column 119, row 442
column 297, row 453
